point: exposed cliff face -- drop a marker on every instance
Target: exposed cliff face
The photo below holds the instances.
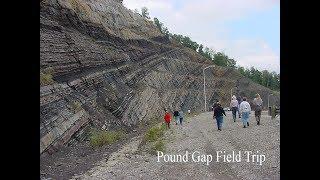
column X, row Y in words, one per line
column 112, row 68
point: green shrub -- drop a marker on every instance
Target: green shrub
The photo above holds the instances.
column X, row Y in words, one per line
column 99, row 138
column 154, row 138
column 158, row 146
column 46, row 76
column 154, row 133
column 45, row 79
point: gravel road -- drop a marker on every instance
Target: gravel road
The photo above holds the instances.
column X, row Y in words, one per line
column 199, row 135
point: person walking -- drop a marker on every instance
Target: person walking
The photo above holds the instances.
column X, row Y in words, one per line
column 181, row 116
column 176, row 116
column 257, row 102
column 215, row 105
column 218, row 115
column 234, row 107
column 167, row 118
column 239, row 99
column 245, row 110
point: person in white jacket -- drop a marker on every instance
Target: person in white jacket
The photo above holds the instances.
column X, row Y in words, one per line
column 234, row 107
column 245, row 110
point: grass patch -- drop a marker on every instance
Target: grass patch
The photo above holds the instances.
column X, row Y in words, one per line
column 154, row 138
column 99, row 138
column 45, row 79
column 154, row 133
column 158, row 146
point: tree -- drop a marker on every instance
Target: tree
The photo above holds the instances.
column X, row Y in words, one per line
column 221, row 59
column 247, row 73
column 165, row 31
column 265, row 78
column 200, row 49
column 256, row 75
column 178, row 38
column 208, row 53
column 274, row 81
column 259, row 77
column 232, row 63
column 145, row 13
column 158, row 24
column 241, row 70
column 194, row 45
column 252, row 72
column 186, row 41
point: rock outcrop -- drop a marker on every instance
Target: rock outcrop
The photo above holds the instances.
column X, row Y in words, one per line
column 103, row 65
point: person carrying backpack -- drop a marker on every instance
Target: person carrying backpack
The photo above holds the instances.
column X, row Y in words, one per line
column 257, row 102
column 176, row 116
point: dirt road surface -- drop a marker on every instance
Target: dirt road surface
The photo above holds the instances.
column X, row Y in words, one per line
column 199, row 134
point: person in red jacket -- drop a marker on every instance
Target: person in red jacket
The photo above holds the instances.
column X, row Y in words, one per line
column 167, row 118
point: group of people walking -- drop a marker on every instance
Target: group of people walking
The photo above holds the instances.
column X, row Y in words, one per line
column 178, row 116
column 243, row 108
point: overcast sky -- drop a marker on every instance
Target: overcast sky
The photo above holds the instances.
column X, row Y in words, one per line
column 246, row 30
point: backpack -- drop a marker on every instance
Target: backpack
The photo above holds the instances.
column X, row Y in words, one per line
column 258, row 108
column 258, row 105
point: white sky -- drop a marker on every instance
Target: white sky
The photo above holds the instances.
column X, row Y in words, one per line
column 212, row 23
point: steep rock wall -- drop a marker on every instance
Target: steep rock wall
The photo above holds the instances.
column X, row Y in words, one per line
column 111, row 68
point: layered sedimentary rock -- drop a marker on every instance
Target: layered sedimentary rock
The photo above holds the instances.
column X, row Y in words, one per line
column 108, row 67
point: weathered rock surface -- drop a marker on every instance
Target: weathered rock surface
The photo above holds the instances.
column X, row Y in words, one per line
column 111, row 68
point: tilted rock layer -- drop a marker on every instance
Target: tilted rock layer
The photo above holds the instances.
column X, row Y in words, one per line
column 112, row 68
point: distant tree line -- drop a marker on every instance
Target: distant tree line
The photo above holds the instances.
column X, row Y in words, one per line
column 265, row 78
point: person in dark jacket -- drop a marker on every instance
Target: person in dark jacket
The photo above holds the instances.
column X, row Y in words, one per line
column 218, row 114
column 214, row 105
column 176, row 116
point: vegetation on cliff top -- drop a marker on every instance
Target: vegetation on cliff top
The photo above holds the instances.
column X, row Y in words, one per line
column 268, row 79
